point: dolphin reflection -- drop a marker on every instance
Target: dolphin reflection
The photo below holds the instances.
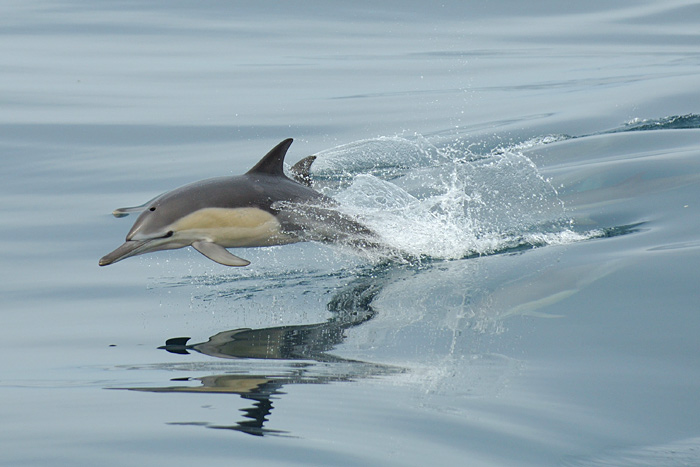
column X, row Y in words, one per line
column 301, row 342
column 269, row 358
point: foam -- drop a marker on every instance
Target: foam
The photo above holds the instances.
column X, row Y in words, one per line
column 448, row 203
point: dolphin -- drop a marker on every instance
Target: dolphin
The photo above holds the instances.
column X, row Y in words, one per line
column 262, row 207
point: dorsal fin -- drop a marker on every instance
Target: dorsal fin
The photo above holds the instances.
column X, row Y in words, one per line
column 273, row 162
column 301, row 171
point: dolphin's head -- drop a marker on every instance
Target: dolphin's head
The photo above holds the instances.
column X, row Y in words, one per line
column 152, row 231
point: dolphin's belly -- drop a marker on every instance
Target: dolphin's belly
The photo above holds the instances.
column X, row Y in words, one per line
column 236, row 227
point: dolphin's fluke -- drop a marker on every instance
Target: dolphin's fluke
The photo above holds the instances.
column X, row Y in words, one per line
column 123, row 212
column 219, row 254
column 176, row 345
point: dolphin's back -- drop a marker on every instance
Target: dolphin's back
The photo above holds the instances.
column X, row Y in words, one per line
column 242, row 191
column 301, row 211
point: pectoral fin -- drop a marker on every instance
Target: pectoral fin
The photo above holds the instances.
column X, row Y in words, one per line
column 219, row 254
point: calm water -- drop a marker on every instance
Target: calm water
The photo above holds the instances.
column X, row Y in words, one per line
column 539, row 162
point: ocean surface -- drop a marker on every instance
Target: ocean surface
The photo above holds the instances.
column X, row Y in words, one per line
column 537, row 162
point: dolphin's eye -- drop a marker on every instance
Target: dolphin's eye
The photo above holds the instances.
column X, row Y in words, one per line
column 168, row 235
column 153, row 208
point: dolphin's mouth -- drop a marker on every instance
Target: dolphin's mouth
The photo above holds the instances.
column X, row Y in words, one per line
column 140, row 246
column 129, row 248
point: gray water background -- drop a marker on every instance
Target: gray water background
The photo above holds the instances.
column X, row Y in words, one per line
column 582, row 351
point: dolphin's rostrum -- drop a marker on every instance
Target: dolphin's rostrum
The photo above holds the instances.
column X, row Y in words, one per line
column 262, row 207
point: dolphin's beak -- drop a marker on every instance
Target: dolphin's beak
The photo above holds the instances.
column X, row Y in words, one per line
column 129, row 248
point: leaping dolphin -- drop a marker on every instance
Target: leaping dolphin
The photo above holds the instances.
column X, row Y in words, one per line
column 262, row 207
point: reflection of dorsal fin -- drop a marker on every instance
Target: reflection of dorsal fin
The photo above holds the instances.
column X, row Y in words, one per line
column 301, row 170
column 273, row 162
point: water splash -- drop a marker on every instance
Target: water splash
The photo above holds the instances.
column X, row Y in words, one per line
column 447, row 202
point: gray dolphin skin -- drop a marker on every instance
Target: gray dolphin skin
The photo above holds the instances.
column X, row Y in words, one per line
column 262, row 207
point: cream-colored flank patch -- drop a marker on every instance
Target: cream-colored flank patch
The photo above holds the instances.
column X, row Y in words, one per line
column 225, row 384
column 237, row 227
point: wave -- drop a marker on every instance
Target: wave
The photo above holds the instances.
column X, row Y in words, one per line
column 676, row 453
column 675, row 122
